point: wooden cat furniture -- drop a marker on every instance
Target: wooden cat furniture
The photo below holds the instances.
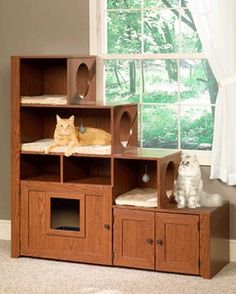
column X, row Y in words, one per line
column 64, row 208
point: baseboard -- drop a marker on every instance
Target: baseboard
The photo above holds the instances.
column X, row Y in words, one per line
column 5, row 234
column 5, row 230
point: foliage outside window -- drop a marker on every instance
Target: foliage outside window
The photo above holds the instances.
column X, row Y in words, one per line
column 153, row 56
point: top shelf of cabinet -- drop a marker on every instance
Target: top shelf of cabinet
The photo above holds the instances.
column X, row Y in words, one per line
column 57, row 80
column 97, row 105
column 47, row 86
column 147, row 153
column 52, row 56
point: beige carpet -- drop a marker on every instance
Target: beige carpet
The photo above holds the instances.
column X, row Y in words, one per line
column 29, row 275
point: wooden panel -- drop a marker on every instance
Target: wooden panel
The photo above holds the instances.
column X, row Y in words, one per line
column 167, row 174
column 148, row 154
column 32, row 118
column 40, row 167
column 124, row 128
column 55, row 77
column 96, row 244
column 82, row 80
column 177, row 238
column 133, row 171
column 123, row 183
column 31, row 78
column 15, row 157
column 134, row 239
column 214, row 241
column 44, row 76
column 33, row 218
column 87, row 170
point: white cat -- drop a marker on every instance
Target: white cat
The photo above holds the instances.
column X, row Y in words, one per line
column 188, row 187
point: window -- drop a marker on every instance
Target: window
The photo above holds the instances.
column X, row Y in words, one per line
column 151, row 54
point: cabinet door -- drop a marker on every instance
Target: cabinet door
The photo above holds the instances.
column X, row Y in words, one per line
column 134, row 238
column 177, row 243
column 66, row 222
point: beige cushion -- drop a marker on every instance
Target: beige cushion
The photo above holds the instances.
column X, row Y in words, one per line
column 41, row 146
column 146, row 197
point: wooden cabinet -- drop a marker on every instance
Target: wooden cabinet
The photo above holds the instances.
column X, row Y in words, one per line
column 172, row 240
column 66, row 222
column 133, row 241
column 161, row 241
column 64, row 207
column 177, row 243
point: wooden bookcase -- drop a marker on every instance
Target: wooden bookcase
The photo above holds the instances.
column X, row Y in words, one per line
column 64, row 207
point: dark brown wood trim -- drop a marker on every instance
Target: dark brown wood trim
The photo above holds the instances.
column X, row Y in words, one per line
column 15, row 155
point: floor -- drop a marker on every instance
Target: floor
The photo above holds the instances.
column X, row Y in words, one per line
column 38, row 276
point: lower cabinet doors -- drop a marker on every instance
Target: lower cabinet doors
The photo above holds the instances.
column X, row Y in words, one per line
column 161, row 241
column 177, row 243
column 133, row 239
column 69, row 222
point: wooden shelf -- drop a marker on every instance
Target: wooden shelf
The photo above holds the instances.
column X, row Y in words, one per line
column 97, row 105
column 44, row 178
column 92, row 181
column 62, row 154
column 147, row 153
column 172, row 209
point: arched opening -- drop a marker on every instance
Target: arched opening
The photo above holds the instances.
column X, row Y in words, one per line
column 82, row 81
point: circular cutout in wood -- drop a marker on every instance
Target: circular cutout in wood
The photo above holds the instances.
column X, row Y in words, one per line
column 125, row 129
column 170, row 179
column 82, row 81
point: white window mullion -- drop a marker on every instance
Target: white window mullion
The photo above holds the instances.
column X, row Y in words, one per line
column 141, row 104
column 94, row 38
column 179, row 105
column 153, row 56
column 103, row 27
column 142, row 28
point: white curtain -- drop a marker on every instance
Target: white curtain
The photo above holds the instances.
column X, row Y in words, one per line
column 215, row 21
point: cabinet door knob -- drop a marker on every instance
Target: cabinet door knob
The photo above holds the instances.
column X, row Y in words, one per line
column 159, row 242
column 107, row 227
column 149, row 241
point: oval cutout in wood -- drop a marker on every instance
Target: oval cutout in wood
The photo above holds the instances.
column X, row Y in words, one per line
column 82, row 81
column 125, row 129
column 170, row 178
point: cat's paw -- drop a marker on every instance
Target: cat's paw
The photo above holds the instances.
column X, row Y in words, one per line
column 194, row 205
column 68, row 153
column 46, row 150
column 180, row 205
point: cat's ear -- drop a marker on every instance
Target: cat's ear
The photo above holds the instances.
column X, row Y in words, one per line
column 194, row 156
column 72, row 119
column 58, row 118
column 183, row 155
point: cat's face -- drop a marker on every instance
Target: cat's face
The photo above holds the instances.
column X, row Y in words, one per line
column 65, row 126
column 189, row 165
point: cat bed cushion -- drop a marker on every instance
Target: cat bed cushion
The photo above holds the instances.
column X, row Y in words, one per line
column 146, row 197
column 41, row 145
column 44, row 99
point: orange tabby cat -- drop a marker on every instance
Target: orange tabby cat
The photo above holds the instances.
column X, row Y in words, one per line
column 66, row 134
column 93, row 136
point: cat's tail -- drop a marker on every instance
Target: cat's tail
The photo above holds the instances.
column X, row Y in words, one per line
column 210, row 200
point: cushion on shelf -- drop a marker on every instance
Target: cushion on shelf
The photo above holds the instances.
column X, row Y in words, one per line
column 44, row 99
column 146, row 197
column 41, row 145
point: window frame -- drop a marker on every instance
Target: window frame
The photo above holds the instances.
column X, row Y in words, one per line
column 97, row 46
